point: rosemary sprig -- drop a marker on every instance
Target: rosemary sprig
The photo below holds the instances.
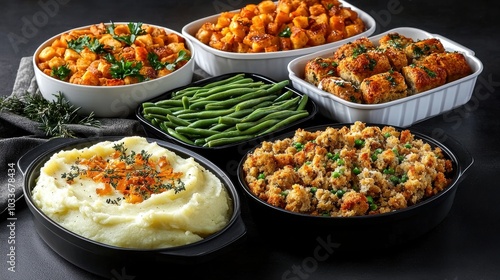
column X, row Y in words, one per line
column 53, row 116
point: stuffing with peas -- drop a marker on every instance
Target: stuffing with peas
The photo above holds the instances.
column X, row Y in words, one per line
column 348, row 171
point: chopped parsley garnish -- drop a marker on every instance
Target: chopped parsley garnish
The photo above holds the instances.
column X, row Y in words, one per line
column 359, row 50
column 62, row 72
column 391, row 80
column 157, row 64
column 86, row 41
column 372, row 64
column 123, row 68
column 429, row 72
column 286, row 33
column 135, row 30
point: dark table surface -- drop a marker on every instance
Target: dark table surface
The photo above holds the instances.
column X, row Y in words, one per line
column 465, row 245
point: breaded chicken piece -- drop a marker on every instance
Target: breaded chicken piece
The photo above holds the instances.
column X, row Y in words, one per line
column 357, row 68
column 353, row 48
column 397, row 57
column 318, row 68
column 394, row 40
column 454, row 63
column 340, row 88
column 419, row 49
column 383, row 87
column 423, row 77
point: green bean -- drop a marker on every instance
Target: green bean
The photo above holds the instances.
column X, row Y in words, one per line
column 148, row 117
column 155, row 122
column 253, row 102
column 251, row 131
column 240, row 113
column 282, row 114
column 259, row 127
column 177, row 120
column 200, row 104
column 206, row 114
column 157, row 110
column 200, row 141
column 245, row 83
column 147, row 104
column 165, row 124
column 285, row 96
column 278, row 86
column 229, row 120
column 259, row 113
column 225, row 95
column 261, row 105
column 303, row 102
column 182, row 111
column 185, row 102
column 188, row 92
column 228, row 140
column 225, row 81
column 204, row 123
column 285, row 122
column 289, row 104
column 184, row 130
column 157, row 116
column 231, row 102
column 179, row 136
column 219, row 127
column 169, row 102
column 279, row 115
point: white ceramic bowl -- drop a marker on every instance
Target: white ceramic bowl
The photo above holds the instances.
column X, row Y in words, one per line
column 112, row 101
column 273, row 64
column 401, row 112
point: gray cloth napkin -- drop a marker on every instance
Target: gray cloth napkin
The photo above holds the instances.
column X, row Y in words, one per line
column 19, row 134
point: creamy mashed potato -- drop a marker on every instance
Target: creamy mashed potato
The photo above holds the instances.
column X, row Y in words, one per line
column 90, row 192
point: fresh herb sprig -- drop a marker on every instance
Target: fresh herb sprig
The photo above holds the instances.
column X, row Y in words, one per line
column 155, row 62
column 62, row 72
column 286, row 33
column 54, row 116
column 92, row 44
column 123, row 68
column 135, row 30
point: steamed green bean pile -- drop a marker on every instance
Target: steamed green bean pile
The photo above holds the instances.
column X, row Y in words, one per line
column 223, row 112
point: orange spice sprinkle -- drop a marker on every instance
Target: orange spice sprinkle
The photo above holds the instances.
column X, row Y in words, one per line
column 134, row 175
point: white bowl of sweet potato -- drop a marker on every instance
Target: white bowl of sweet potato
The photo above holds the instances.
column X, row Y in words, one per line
column 263, row 38
column 108, row 69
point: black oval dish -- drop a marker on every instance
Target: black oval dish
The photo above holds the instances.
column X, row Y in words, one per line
column 361, row 232
column 239, row 148
column 102, row 259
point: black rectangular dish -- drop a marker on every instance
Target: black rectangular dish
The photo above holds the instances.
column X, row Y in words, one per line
column 246, row 142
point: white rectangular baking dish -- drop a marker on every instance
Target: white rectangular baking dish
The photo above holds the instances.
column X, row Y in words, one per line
column 271, row 64
column 402, row 112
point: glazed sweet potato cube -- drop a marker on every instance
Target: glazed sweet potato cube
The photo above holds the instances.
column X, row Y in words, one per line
column 301, row 22
column 266, row 7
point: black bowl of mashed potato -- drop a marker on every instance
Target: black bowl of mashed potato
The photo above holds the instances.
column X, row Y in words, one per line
column 356, row 185
column 111, row 203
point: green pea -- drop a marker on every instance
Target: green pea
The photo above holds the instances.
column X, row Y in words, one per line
column 340, row 193
column 389, row 170
column 359, row 142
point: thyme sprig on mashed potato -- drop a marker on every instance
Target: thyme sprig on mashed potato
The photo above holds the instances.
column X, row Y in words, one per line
column 135, row 175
